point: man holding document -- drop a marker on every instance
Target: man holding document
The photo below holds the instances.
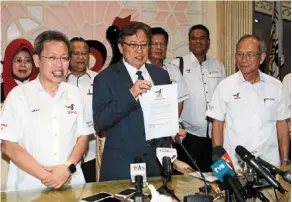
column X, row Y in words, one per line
column 118, row 94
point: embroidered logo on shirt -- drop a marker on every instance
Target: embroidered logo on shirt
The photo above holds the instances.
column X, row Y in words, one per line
column 35, row 110
column 89, row 93
column 70, row 106
column 268, row 99
column 188, row 70
column 236, row 96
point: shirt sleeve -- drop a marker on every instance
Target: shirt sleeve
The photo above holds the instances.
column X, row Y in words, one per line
column 217, row 107
column 85, row 120
column 282, row 111
column 176, row 77
column 287, row 93
column 10, row 126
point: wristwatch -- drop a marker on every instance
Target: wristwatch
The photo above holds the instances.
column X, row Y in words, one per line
column 285, row 163
column 71, row 167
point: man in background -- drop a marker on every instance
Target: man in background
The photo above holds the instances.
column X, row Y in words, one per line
column 82, row 77
column 201, row 74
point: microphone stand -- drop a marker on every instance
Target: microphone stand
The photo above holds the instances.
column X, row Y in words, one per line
column 166, row 178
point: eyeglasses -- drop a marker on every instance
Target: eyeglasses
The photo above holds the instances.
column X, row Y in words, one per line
column 54, row 59
column 156, row 44
column 136, row 46
column 248, row 55
column 20, row 61
column 78, row 53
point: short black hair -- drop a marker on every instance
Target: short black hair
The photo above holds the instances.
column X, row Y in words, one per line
column 79, row 39
column 199, row 26
column 50, row 35
column 131, row 29
column 159, row 31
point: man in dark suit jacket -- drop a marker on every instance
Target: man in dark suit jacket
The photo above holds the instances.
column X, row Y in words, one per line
column 117, row 110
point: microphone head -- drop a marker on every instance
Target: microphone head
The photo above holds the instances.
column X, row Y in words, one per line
column 217, row 153
column 166, row 163
column 243, row 153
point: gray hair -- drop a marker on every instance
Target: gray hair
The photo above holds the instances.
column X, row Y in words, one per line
column 261, row 46
column 50, row 35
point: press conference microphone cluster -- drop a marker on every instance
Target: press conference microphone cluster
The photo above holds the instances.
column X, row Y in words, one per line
column 250, row 159
column 197, row 197
column 286, row 175
column 223, row 170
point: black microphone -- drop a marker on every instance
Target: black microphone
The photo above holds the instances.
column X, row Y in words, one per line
column 250, row 159
column 138, row 196
column 206, row 197
column 286, row 175
column 167, row 170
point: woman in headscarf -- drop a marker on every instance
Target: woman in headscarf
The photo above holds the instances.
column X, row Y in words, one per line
column 18, row 65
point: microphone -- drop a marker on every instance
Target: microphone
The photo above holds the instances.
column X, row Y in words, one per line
column 250, row 159
column 197, row 197
column 224, row 172
column 138, row 168
column 167, row 171
column 138, row 196
column 286, row 175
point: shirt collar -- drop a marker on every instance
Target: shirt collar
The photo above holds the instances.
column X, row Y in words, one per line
column 59, row 92
column 242, row 80
column 70, row 74
column 133, row 70
column 194, row 58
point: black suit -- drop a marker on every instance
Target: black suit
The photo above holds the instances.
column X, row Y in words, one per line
column 116, row 111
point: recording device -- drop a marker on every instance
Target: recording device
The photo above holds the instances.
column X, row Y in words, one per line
column 286, row 175
column 224, row 172
column 126, row 193
column 250, row 159
column 138, row 168
column 97, row 197
column 197, row 197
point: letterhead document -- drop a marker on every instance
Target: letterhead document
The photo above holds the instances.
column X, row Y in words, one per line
column 160, row 111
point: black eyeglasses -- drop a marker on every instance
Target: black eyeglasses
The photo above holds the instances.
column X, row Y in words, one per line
column 136, row 45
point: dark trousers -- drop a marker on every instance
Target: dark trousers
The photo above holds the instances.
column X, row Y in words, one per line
column 200, row 149
column 89, row 170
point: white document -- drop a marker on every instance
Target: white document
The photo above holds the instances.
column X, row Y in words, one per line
column 160, row 111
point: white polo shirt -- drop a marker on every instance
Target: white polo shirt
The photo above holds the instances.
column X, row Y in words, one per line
column 201, row 80
column 287, row 91
column 250, row 113
column 176, row 77
column 85, row 86
column 46, row 127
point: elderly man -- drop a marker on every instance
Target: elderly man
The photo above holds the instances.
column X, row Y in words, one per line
column 252, row 105
column 117, row 109
column 43, row 127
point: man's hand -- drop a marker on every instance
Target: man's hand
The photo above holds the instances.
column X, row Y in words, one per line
column 59, row 176
column 139, row 87
column 182, row 133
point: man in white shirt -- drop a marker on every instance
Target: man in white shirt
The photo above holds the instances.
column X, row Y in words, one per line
column 252, row 106
column 82, row 77
column 157, row 55
column 201, row 74
column 43, row 126
column 287, row 91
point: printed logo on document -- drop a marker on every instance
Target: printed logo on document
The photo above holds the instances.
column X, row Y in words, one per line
column 158, row 94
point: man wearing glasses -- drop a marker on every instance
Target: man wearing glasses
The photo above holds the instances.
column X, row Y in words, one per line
column 117, row 95
column 201, row 74
column 253, row 107
column 43, row 126
column 82, row 77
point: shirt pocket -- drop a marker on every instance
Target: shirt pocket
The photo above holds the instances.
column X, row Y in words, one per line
column 215, row 74
column 269, row 110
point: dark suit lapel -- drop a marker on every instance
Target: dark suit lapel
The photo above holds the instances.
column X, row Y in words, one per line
column 154, row 77
column 123, row 75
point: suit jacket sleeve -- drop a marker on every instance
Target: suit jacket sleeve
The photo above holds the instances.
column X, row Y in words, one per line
column 110, row 103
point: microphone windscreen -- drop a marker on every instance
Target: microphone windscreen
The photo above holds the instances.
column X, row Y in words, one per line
column 241, row 151
column 166, row 163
